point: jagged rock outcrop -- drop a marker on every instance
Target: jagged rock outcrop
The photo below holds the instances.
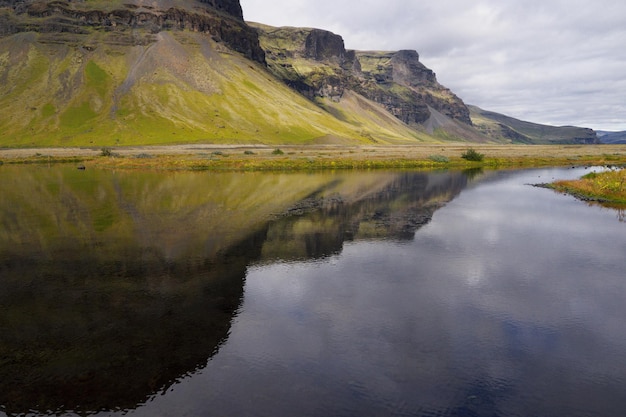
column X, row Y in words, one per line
column 406, row 87
column 407, row 70
column 322, row 45
column 397, row 80
column 222, row 19
column 232, row 7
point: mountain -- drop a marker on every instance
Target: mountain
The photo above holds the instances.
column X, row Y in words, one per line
column 612, row 137
column 135, row 72
column 499, row 126
column 316, row 63
column 144, row 72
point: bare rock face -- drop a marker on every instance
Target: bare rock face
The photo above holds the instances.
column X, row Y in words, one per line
column 322, row 45
column 397, row 80
column 231, row 7
column 406, row 69
column 419, row 84
column 221, row 19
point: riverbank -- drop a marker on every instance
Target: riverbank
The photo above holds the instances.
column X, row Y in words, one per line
column 246, row 157
column 607, row 188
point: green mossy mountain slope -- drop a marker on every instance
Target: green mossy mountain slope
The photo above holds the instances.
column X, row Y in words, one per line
column 113, row 73
column 106, row 73
column 182, row 87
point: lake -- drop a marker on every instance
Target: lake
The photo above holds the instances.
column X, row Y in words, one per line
column 308, row 294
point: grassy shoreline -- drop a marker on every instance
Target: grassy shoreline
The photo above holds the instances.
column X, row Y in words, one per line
column 316, row 157
column 606, row 188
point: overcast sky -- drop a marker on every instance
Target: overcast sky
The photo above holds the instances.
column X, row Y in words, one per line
column 559, row 62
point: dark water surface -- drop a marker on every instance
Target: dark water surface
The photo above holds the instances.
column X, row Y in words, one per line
column 330, row 294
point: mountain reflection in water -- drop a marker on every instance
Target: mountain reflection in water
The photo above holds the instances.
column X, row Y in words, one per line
column 114, row 285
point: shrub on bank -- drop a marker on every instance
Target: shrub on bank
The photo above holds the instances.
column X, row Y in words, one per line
column 439, row 158
column 472, row 155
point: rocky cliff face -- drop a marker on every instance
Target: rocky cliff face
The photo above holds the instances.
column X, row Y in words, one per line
column 322, row 45
column 316, row 63
column 222, row 19
column 231, row 7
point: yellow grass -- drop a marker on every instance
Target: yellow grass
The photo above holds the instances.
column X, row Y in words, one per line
column 262, row 157
column 608, row 186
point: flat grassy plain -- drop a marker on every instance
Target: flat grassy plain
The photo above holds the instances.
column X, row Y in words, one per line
column 313, row 157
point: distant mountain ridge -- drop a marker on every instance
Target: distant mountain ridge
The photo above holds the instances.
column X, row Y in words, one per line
column 612, row 137
column 510, row 129
column 133, row 72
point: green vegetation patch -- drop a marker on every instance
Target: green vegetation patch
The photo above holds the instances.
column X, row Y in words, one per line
column 48, row 110
column 77, row 116
column 608, row 186
column 96, row 77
